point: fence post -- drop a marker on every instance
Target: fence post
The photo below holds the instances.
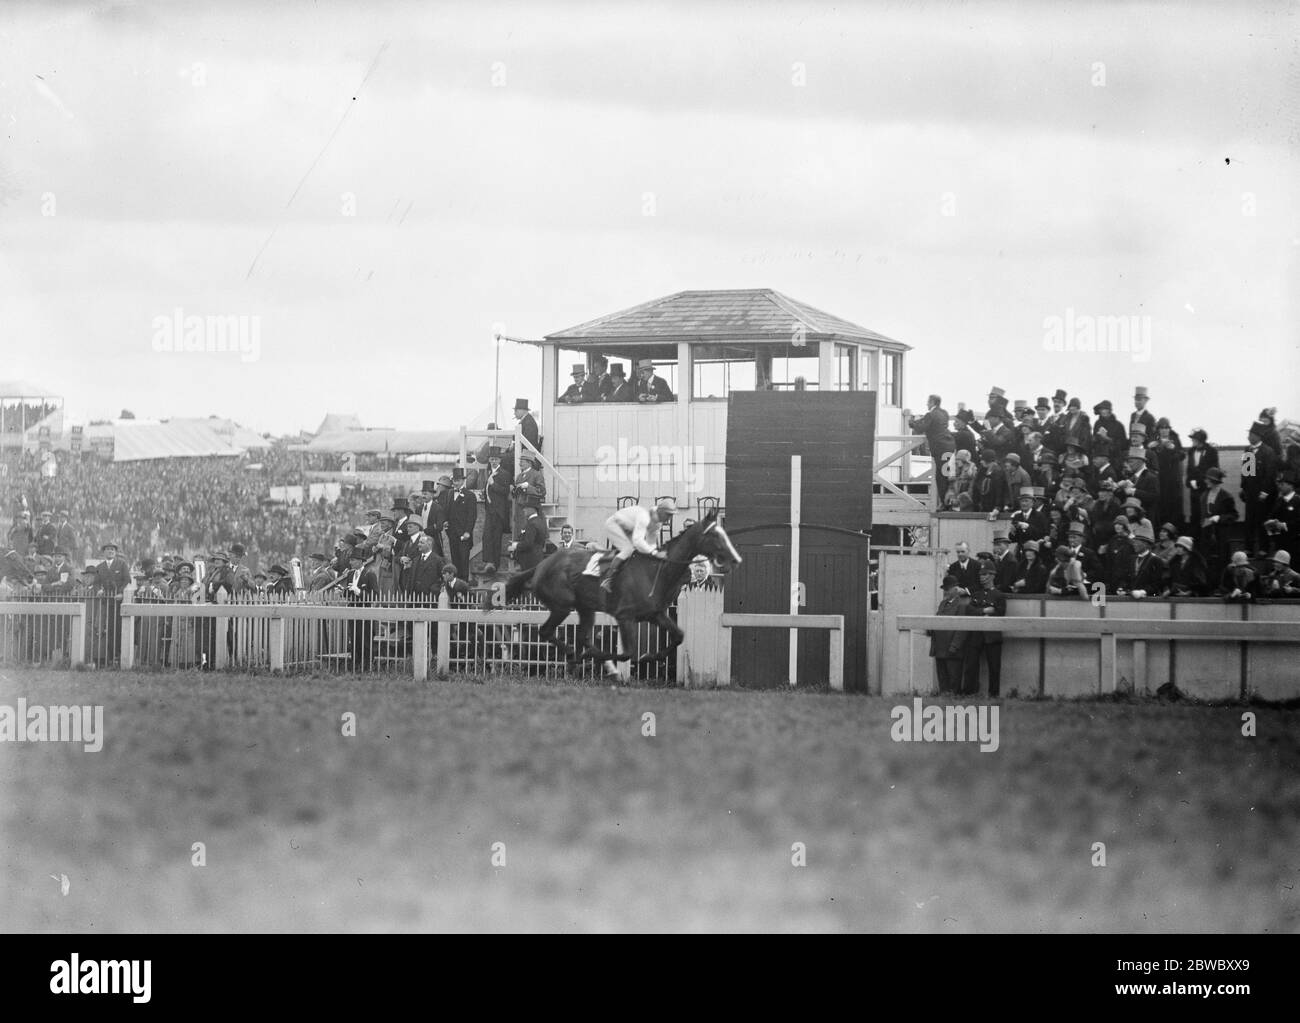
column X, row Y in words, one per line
column 221, row 629
column 420, row 650
column 1109, row 662
column 126, row 649
column 275, row 639
column 77, row 637
column 444, row 635
column 837, row 658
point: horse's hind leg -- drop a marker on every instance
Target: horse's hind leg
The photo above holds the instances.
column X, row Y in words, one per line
column 550, row 632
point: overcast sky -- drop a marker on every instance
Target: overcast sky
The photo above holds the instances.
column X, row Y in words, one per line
column 951, row 175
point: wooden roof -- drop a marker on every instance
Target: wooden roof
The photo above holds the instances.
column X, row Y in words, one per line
column 758, row 314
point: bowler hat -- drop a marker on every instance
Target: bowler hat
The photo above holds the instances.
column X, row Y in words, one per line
column 1214, row 473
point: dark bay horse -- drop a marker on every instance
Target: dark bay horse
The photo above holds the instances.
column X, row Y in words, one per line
column 641, row 593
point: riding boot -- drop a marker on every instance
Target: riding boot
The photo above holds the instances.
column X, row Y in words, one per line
column 611, row 573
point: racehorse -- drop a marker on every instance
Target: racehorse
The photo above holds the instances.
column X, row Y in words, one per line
column 568, row 580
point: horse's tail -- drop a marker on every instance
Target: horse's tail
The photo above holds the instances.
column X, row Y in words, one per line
column 518, row 583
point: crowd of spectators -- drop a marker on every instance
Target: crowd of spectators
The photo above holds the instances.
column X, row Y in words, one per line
column 1117, row 502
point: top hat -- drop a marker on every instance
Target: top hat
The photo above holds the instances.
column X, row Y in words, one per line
column 617, row 370
column 492, row 453
column 579, row 370
column 1075, row 527
column 400, row 504
column 426, row 486
column 1000, row 536
column 1029, row 491
column 1138, row 453
column 457, row 473
column 1140, row 392
column 1039, row 491
column 521, row 404
column 1041, row 403
column 1020, row 404
column 238, row 550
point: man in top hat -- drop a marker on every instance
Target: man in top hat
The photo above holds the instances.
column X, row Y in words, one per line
column 998, row 401
column 576, row 392
column 1283, row 528
column 527, row 424
column 620, row 388
column 1259, row 466
column 1281, row 582
column 242, row 577
column 997, row 436
column 114, row 573
column 1029, row 521
column 1006, row 563
column 462, row 513
column 1140, row 414
column 1143, row 483
column 496, row 513
column 650, row 388
column 1042, row 413
column 1148, row 570
column 598, row 385
column 1201, row 456
column 1054, row 424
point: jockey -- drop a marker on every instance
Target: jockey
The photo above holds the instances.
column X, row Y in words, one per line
column 627, row 529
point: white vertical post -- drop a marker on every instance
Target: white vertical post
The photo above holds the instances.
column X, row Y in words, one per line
column 444, row 635
column 420, row 650
column 77, row 638
column 126, row 649
column 796, row 487
column 275, row 640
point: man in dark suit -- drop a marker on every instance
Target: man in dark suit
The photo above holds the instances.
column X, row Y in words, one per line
column 1146, row 484
column 530, row 545
column 965, row 569
column 423, row 575
column 987, row 601
column 527, row 424
column 1200, row 457
column 1283, row 526
column 496, row 517
column 114, row 574
column 598, row 385
column 1054, row 425
column 462, row 513
column 989, row 490
column 1140, row 413
column 576, row 393
column 948, row 647
column 1148, row 570
column 1085, row 556
column 620, row 389
column 1258, row 487
column 934, row 424
column 650, row 388
column 1006, row 563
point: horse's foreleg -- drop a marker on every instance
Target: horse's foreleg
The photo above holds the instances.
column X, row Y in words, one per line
column 675, row 637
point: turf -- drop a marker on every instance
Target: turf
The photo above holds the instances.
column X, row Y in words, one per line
column 606, row 829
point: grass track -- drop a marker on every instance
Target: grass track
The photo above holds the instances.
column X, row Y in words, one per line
column 605, row 829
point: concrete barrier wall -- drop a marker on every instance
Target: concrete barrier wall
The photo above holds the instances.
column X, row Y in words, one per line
column 1072, row 667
